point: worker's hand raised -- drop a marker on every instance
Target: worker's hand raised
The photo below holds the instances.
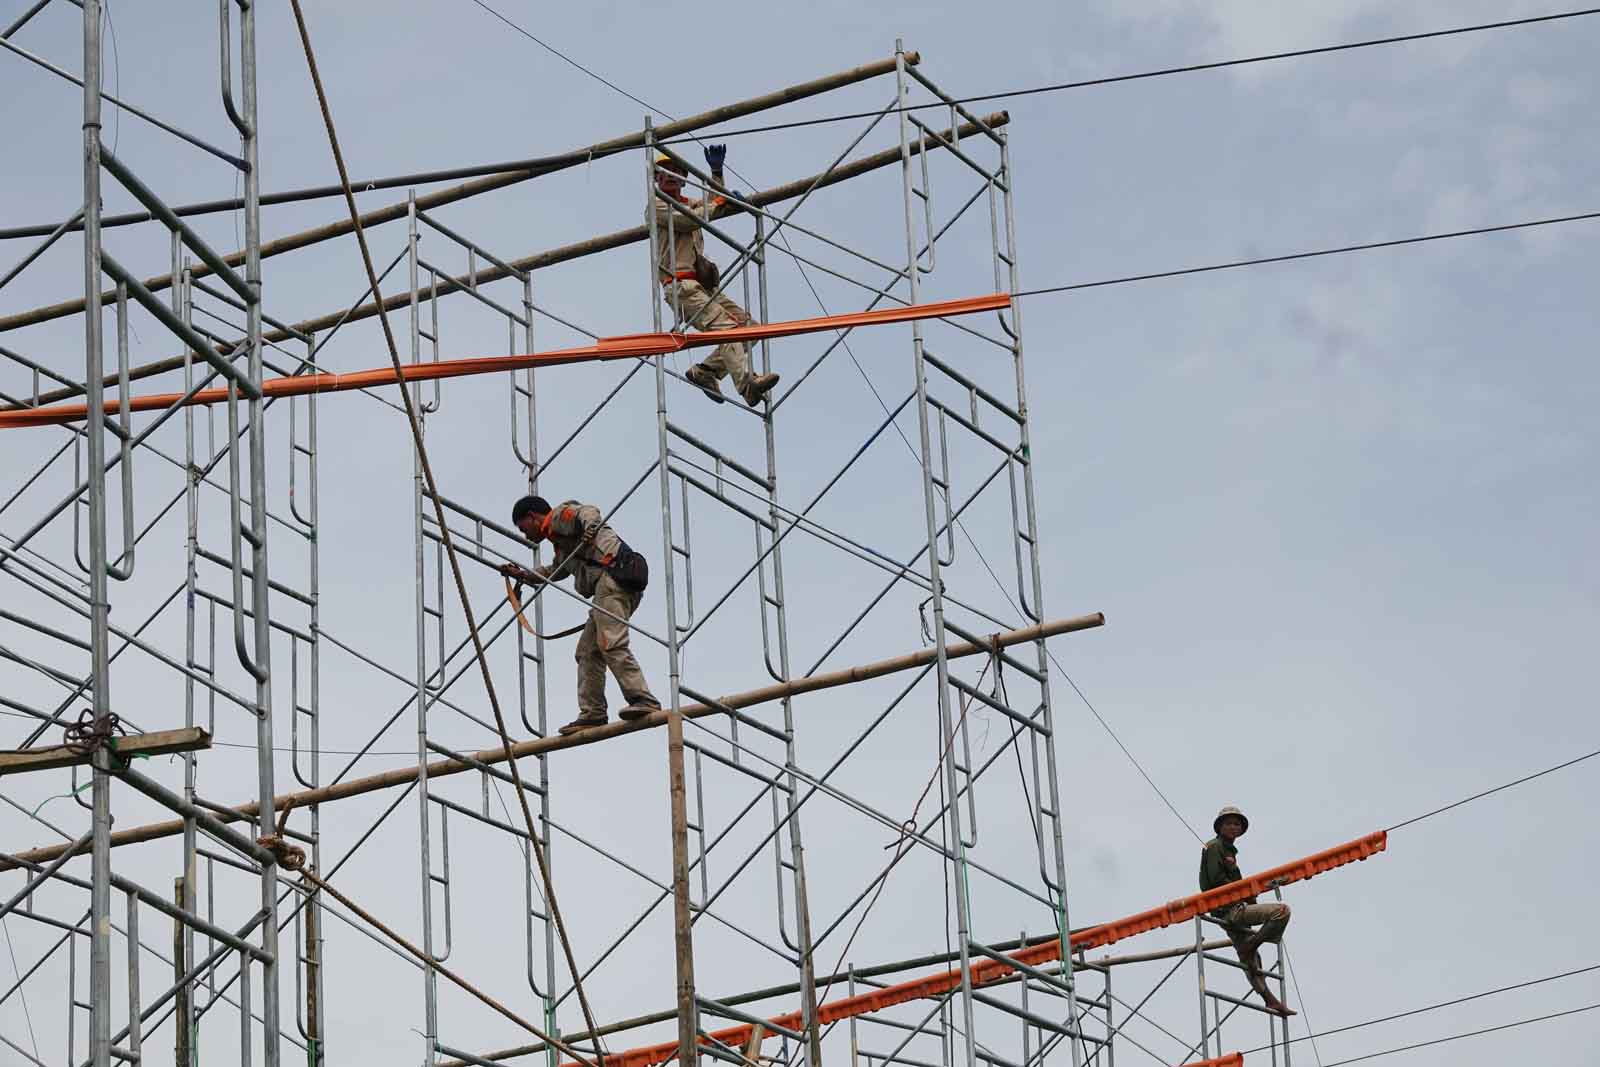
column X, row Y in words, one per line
column 716, row 155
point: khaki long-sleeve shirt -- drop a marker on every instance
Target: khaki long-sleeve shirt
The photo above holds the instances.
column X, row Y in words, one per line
column 687, row 239
column 583, row 544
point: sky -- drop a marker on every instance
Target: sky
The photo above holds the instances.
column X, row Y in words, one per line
column 1332, row 509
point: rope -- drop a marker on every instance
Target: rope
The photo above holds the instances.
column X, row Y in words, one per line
column 414, row 421
column 89, row 733
column 512, row 595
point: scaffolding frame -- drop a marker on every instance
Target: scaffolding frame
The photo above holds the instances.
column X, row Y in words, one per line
column 227, row 953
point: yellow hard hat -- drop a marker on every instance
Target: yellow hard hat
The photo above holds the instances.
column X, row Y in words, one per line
column 664, row 161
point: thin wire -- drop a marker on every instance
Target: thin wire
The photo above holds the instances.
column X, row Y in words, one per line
column 1163, row 72
column 431, row 483
column 1442, row 1004
column 1469, row 1033
column 1506, row 227
column 1136, row 764
column 1305, row 1016
column 570, row 61
column 1496, row 789
column 116, row 55
column 11, row 949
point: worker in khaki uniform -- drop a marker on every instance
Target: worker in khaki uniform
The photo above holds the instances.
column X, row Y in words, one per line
column 1219, row 865
column 614, row 577
column 688, row 279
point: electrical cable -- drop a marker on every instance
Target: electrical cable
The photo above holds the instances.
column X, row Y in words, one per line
column 1290, row 257
column 1469, row 1033
column 1442, row 1004
column 1191, row 68
column 1305, row 1015
column 1489, row 792
column 569, row 60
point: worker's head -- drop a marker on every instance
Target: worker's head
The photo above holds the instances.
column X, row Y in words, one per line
column 670, row 173
column 1230, row 823
column 528, row 516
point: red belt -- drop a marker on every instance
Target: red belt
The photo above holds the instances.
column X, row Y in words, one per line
column 684, row 276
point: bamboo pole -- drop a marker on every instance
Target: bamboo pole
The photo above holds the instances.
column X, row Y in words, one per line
column 551, row 257
column 463, row 191
column 442, row 768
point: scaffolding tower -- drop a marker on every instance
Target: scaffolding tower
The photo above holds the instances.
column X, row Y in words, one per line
column 910, row 814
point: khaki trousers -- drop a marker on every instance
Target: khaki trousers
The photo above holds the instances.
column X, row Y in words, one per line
column 604, row 644
column 693, row 301
column 1239, row 921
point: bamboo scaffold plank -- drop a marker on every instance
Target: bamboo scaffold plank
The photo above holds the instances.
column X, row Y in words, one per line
column 991, row 971
column 627, row 346
column 536, row 746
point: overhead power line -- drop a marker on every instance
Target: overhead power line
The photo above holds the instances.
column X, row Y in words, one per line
column 1496, row 789
column 1292, row 256
column 1469, row 1033
column 481, row 169
column 1192, row 68
column 1436, row 1007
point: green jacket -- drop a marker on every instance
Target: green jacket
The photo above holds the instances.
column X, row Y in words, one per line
column 1219, row 865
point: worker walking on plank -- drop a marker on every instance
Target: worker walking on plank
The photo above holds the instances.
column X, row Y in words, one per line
column 1219, row 865
column 688, row 278
column 614, row 577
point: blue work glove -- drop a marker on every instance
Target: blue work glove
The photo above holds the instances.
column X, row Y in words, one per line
column 716, row 155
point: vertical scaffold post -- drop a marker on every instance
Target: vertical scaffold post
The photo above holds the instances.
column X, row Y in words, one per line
column 1041, row 650
column 682, row 920
column 802, row 906
column 188, row 892
column 946, row 723
column 99, row 650
column 259, row 590
column 430, row 980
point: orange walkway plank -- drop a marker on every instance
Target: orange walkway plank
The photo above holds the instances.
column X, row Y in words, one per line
column 990, row 971
column 628, row 346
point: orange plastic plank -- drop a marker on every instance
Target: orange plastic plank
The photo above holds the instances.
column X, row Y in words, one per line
column 1232, row 1059
column 989, row 971
column 629, row 346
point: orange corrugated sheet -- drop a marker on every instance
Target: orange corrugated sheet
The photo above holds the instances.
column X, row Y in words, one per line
column 989, row 971
column 629, row 346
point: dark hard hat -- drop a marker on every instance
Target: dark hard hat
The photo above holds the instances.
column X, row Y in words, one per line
column 1224, row 813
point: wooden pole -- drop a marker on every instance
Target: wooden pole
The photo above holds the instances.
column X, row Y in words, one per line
column 183, row 1017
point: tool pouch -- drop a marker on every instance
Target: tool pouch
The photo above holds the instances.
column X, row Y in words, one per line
column 706, row 272
column 629, row 569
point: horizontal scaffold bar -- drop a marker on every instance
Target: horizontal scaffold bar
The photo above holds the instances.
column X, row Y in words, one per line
column 628, row 346
column 990, row 971
column 549, row 258
column 440, row 768
column 504, row 175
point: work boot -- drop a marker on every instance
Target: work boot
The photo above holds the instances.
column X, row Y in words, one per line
column 698, row 375
column 758, row 387
column 638, row 710
column 585, row 721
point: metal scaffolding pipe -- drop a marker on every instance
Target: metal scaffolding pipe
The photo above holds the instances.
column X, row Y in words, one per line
column 441, row 768
column 539, row 168
column 562, row 254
